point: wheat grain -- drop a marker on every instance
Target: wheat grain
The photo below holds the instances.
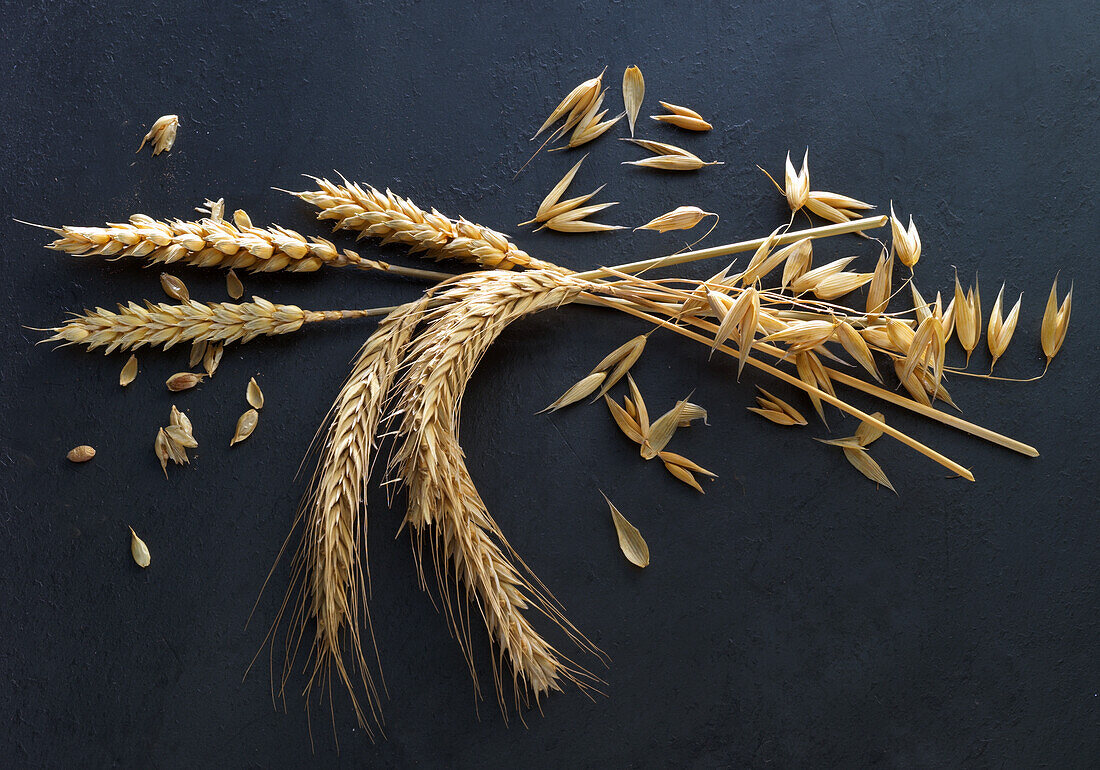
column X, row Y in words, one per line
column 174, row 287
column 80, row 454
column 233, row 286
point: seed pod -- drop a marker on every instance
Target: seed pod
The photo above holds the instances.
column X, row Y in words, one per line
column 174, row 287
column 254, row 395
column 81, row 454
column 682, row 117
column 245, row 425
column 139, row 550
column 183, row 381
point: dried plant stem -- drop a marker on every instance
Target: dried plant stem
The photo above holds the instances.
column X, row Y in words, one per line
column 735, row 248
column 932, row 413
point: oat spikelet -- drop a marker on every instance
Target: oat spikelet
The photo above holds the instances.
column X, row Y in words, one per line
column 1000, row 330
column 161, row 324
column 394, row 219
column 827, row 205
column 680, row 218
column 682, row 117
column 574, row 105
column 444, row 507
column 906, row 241
column 1055, row 322
column 592, row 124
column 968, row 316
column 162, row 134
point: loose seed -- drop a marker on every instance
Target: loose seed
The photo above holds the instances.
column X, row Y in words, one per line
column 245, row 425
column 174, row 287
column 254, row 395
column 139, row 550
column 233, row 285
column 183, row 381
column 129, row 371
column 81, row 454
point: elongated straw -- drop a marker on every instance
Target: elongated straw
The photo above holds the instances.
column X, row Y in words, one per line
column 856, row 225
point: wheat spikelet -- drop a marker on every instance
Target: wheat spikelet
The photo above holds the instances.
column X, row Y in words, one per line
column 469, row 547
column 162, row 324
column 208, row 243
column 394, row 219
column 330, row 564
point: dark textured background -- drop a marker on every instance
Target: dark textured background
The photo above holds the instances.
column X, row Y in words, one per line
column 794, row 616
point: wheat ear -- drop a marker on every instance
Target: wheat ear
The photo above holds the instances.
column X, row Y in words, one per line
column 443, row 503
column 213, row 242
column 394, row 219
column 162, row 324
column 328, row 583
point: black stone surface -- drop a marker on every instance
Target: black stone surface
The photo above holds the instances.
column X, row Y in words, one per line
column 795, row 616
